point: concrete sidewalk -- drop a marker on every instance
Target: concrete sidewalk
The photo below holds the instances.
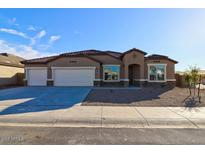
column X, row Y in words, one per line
column 111, row 117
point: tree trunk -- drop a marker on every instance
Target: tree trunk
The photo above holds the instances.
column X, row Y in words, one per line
column 189, row 91
column 199, row 88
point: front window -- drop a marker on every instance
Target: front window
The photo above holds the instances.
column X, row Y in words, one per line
column 111, row 72
column 157, row 72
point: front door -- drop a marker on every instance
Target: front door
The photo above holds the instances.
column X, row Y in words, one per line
column 131, row 77
column 134, row 74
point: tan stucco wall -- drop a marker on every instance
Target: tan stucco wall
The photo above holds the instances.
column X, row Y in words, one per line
column 170, row 69
column 133, row 58
column 8, row 74
column 106, row 59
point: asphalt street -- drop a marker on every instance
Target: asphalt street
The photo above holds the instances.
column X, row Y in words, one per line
column 63, row 135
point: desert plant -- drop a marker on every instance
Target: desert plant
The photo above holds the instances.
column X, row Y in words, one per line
column 192, row 78
column 194, row 73
column 199, row 88
column 188, row 81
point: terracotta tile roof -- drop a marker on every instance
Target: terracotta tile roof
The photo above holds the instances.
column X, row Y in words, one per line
column 156, row 56
column 114, row 53
column 10, row 60
column 83, row 52
column 92, row 52
column 134, row 49
column 76, row 53
column 86, row 53
column 38, row 60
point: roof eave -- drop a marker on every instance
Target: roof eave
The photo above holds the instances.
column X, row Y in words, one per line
column 131, row 50
column 147, row 58
column 12, row 65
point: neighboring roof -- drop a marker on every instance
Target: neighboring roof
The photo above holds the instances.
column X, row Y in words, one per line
column 10, row 60
column 157, row 57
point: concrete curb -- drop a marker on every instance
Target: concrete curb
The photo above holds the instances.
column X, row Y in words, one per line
column 105, row 123
column 110, row 117
column 170, row 123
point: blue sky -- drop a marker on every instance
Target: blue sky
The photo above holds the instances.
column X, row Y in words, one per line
column 178, row 33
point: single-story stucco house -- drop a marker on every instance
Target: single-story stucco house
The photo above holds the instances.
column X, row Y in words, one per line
column 101, row 68
column 10, row 66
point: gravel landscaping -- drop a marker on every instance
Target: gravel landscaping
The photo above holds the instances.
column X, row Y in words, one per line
column 152, row 97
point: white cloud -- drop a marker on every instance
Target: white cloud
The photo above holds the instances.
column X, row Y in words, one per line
column 33, row 40
column 38, row 36
column 27, row 51
column 54, row 38
column 14, row 32
column 31, row 28
column 24, row 51
column 21, row 34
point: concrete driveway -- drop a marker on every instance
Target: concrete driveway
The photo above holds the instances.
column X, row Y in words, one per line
column 57, row 107
column 36, row 99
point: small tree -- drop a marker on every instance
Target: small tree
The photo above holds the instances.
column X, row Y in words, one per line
column 194, row 72
column 199, row 88
column 188, row 82
column 192, row 78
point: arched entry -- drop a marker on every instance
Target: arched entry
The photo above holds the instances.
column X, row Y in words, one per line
column 134, row 74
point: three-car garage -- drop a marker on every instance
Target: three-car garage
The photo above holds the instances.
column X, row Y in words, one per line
column 61, row 76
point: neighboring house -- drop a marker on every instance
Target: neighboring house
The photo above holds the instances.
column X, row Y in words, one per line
column 180, row 76
column 10, row 66
column 201, row 72
column 100, row 68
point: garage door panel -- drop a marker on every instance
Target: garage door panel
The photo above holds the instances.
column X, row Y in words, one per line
column 72, row 77
column 37, row 77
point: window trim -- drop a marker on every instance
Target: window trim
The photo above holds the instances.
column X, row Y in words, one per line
column 111, row 80
column 165, row 72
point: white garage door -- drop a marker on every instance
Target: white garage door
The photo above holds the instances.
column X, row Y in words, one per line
column 37, row 77
column 73, row 77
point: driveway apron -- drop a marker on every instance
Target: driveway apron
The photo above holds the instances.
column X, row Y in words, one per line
column 35, row 99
